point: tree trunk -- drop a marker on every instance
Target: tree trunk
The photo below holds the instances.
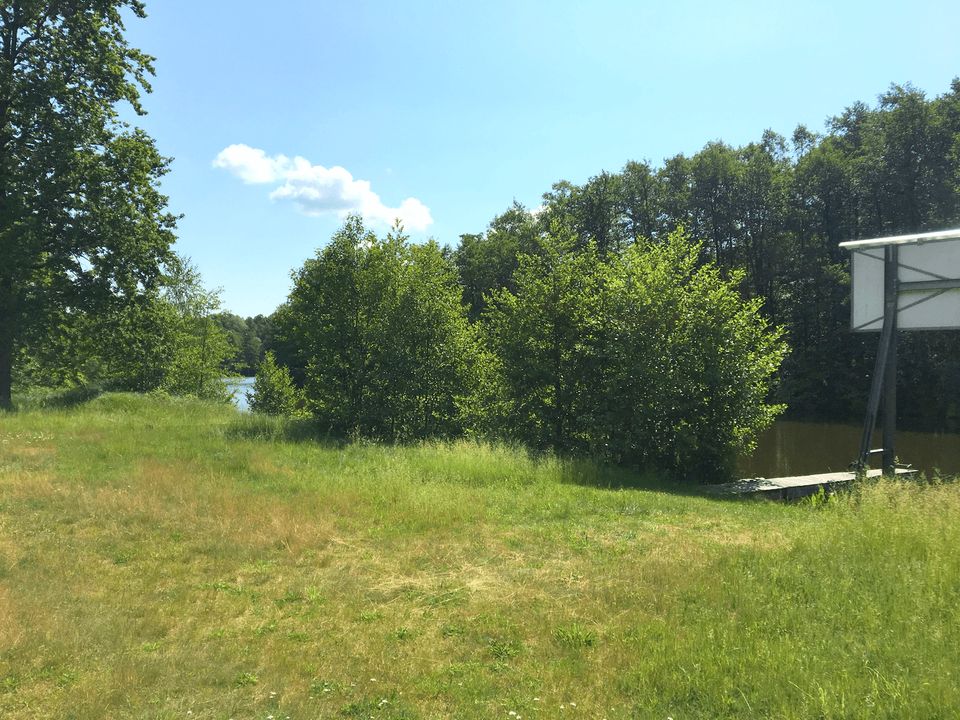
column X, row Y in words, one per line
column 6, row 360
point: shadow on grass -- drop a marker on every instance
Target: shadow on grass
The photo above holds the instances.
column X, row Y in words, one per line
column 43, row 399
column 573, row 471
column 597, row 474
column 250, row 426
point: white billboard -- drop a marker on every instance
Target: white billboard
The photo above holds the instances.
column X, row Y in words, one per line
column 928, row 281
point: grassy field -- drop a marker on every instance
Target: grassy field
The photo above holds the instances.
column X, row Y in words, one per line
column 170, row 559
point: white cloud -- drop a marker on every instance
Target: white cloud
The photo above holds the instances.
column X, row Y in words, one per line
column 317, row 190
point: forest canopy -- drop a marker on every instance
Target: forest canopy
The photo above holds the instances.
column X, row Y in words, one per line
column 778, row 208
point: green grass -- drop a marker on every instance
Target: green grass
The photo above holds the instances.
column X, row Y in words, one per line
column 169, row 559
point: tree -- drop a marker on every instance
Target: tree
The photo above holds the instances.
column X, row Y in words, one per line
column 639, row 197
column 690, row 363
column 198, row 347
column 486, row 262
column 645, row 358
column 381, row 334
column 274, row 392
column 169, row 341
column 547, row 341
column 83, row 226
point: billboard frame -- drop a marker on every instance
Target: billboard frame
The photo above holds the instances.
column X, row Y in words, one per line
column 884, row 381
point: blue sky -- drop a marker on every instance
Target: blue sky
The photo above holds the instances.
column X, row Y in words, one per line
column 280, row 115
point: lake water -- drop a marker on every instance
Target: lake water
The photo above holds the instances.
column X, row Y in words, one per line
column 805, row 448
column 798, row 448
column 239, row 387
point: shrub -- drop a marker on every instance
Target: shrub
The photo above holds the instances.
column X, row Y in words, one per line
column 381, row 333
column 645, row 358
column 273, row 391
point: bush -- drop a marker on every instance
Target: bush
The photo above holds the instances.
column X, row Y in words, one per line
column 274, row 392
column 644, row 358
column 381, row 336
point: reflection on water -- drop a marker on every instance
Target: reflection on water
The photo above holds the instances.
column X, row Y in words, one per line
column 804, row 448
column 240, row 387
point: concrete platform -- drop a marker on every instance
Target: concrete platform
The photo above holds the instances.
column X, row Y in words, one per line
column 797, row 486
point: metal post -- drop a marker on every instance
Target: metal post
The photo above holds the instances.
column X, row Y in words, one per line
column 890, row 289
column 887, row 340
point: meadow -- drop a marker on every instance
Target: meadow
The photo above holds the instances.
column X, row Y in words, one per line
column 168, row 558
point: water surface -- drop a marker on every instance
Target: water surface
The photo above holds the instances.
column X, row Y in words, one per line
column 240, row 386
column 805, row 448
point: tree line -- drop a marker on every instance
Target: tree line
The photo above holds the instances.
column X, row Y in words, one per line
column 646, row 357
column 778, row 209
column 554, row 299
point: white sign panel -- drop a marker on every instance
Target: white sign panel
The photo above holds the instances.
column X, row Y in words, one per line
column 928, row 280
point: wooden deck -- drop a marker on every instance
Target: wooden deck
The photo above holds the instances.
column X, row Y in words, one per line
column 786, row 488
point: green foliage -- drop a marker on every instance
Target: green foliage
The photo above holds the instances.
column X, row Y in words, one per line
column 778, row 209
column 547, row 345
column 690, row 363
column 198, row 346
column 82, row 221
column 646, row 358
column 249, row 340
column 167, row 342
column 274, row 392
column 378, row 331
column 487, row 262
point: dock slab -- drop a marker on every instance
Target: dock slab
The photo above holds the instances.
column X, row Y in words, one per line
column 796, row 486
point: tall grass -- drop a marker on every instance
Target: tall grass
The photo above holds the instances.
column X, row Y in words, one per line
column 162, row 558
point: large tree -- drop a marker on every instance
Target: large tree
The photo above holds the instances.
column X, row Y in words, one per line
column 380, row 334
column 83, row 226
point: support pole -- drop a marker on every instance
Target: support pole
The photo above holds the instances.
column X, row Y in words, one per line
column 887, row 340
column 890, row 372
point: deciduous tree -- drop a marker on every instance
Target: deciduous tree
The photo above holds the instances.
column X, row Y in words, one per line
column 83, row 225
